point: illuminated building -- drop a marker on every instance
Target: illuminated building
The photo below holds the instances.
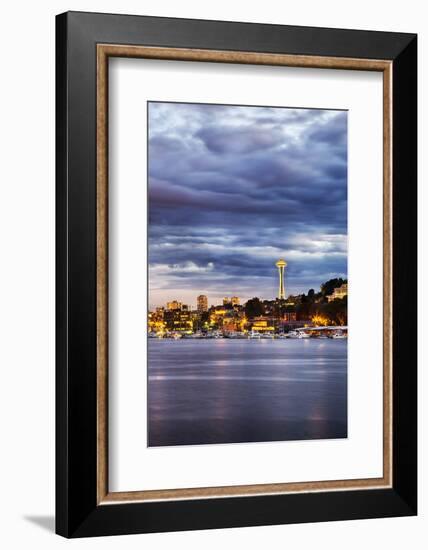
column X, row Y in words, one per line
column 263, row 324
column 339, row 293
column 231, row 325
column 289, row 316
column 217, row 315
column 202, row 303
column 155, row 320
column 177, row 320
column 230, row 320
column 174, row 305
column 158, row 314
column 234, row 301
column 281, row 265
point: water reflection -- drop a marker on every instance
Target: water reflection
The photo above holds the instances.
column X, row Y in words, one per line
column 232, row 391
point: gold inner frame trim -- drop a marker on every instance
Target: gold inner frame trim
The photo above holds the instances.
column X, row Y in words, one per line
column 104, row 51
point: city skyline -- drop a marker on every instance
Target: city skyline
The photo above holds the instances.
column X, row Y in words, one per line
column 232, row 189
column 229, row 318
column 202, row 300
column 205, row 302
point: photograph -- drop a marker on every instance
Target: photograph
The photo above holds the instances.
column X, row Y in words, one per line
column 235, row 241
column 247, row 267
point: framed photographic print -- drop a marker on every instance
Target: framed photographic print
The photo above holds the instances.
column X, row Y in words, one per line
column 236, row 245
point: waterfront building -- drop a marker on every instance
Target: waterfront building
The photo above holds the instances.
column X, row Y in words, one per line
column 216, row 316
column 339, row 293
column 157, row 315
column 264, row 324
column 176, row 320
column 231, row 324
column 281, row 265
column 287, row 325
column 289, row 316
column 155, row 320
column 202, row 303
column 233, row 321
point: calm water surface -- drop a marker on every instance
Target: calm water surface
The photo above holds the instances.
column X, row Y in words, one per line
column 235, row 391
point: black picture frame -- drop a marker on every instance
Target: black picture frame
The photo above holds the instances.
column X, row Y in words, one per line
column 77, row 511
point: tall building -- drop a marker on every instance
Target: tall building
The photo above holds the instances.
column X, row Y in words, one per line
column 226, row 301
column 202, row 303
column 281, row 265
column 234, row 301
column 174, row 305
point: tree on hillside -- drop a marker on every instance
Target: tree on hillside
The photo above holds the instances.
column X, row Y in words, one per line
column 337, row 311
column 303, row 310
column 254, row 308
column 328, row 287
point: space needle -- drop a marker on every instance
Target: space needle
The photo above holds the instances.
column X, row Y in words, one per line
column 281, row 265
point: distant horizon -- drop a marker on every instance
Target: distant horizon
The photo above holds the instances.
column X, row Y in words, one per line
column 242, row 300
column 233, row 188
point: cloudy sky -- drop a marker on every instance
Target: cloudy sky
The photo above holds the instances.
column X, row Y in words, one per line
column 233, row 189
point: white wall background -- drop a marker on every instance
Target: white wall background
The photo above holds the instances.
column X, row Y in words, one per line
column 27, row 271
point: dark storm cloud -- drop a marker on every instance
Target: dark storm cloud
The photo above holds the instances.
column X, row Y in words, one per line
column 232, row 189
column 334, row 133
column 231, row 141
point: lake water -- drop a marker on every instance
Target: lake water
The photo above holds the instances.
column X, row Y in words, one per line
column 235, row 391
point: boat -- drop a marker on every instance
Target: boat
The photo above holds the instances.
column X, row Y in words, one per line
column 339, row 335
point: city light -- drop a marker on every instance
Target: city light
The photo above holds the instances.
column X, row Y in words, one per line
column 320, row 320
column 275, row 318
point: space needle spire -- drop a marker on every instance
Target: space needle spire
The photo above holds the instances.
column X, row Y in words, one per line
column 281, row 265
